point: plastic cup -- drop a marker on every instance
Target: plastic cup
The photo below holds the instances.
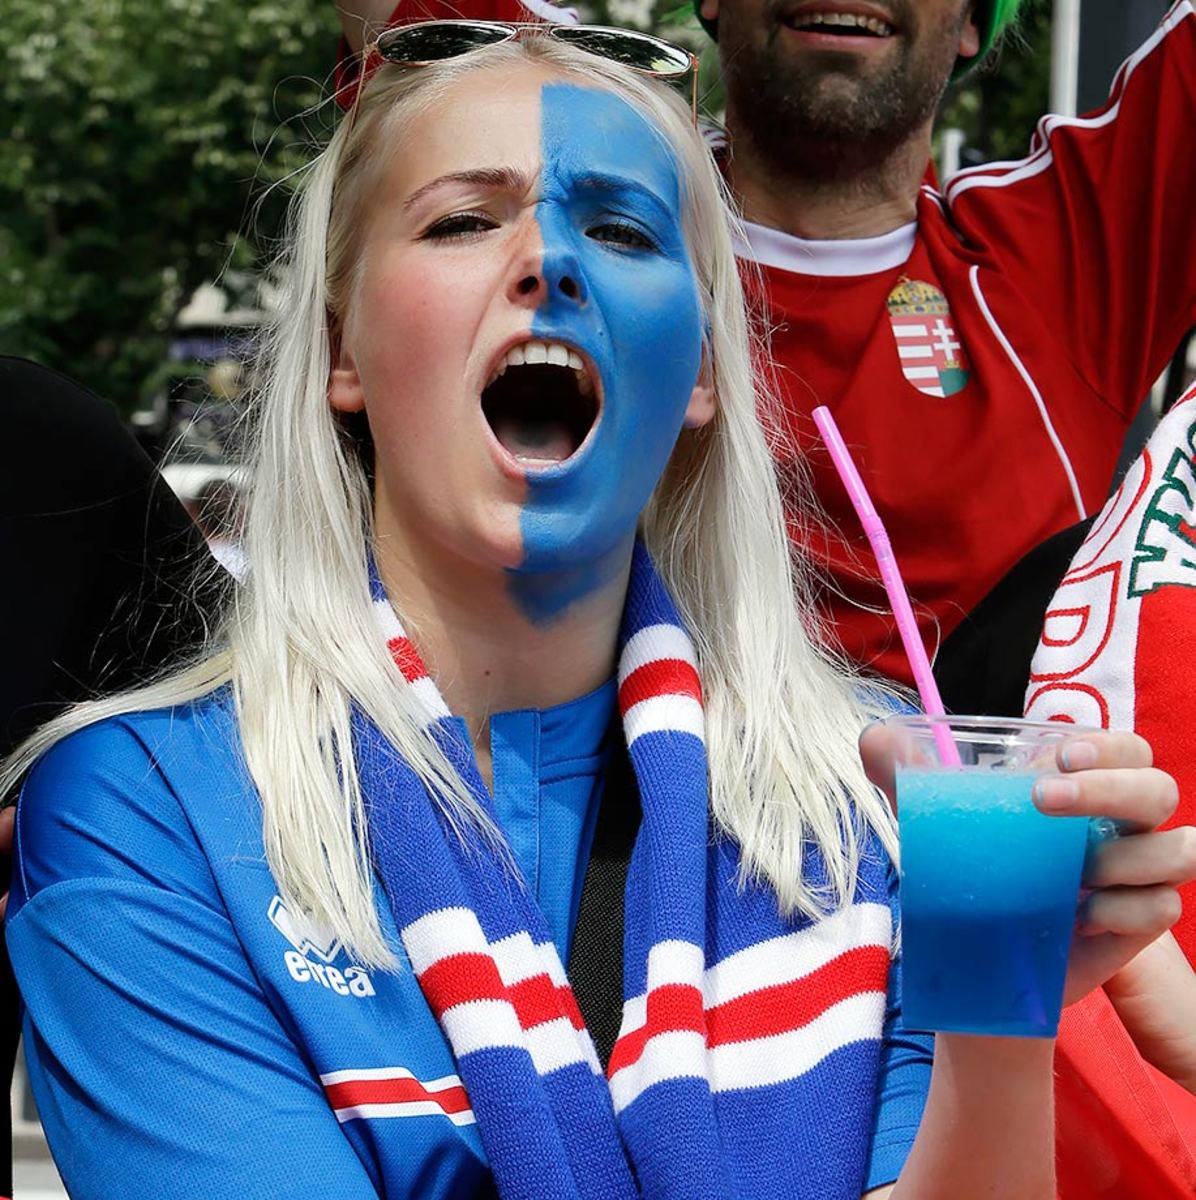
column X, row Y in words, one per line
column 989, row 885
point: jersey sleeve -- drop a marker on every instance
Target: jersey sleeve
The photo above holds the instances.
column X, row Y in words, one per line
column 1094, row 231
column 158, row 1068
column 906, row 1059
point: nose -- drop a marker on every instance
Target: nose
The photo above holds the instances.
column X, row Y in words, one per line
column 551, row 271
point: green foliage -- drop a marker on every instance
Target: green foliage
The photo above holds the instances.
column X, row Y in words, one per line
column 137, row 130
column 998, row 104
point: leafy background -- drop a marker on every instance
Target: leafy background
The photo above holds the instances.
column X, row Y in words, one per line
column 141, row 131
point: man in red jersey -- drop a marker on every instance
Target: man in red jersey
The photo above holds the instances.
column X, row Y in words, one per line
column 983, row 348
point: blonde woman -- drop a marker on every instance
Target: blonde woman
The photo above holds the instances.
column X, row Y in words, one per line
column 292, row 921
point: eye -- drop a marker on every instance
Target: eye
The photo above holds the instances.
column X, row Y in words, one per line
column 459, row 226
column 621, row 233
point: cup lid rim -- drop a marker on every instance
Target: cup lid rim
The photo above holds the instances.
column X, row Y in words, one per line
column 990, row 725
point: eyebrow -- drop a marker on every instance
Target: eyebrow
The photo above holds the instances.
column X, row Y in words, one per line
column 495, row 178
column 597, row 181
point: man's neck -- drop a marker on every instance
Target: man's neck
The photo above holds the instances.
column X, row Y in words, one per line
column 826, row 195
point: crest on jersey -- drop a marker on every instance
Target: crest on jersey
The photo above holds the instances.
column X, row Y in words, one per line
column 931, row 351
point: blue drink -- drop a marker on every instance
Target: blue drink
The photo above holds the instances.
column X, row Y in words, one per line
column 989, row 887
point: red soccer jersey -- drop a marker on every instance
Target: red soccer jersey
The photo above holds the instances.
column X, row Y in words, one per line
column 984, row 362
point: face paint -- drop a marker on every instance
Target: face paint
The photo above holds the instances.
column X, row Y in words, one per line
column 621, row 289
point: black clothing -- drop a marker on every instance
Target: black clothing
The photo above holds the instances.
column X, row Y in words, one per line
column 97, row 553
column 96, row 561
column 984, row 666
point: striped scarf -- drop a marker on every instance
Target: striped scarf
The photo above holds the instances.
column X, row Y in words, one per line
column 746, row 1063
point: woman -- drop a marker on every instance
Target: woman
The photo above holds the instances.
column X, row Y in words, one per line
column 286, row 926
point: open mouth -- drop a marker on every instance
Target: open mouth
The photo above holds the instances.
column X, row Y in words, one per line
column 541, row 402
column 839, row 24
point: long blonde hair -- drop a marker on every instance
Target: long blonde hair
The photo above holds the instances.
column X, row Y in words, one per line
column 298, row 644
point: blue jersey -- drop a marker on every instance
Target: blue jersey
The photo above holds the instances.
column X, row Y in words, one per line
column 187, row 1034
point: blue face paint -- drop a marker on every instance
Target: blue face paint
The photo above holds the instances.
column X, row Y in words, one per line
column 620, row 287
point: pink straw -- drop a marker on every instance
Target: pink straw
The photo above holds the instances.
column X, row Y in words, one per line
column 890, row 573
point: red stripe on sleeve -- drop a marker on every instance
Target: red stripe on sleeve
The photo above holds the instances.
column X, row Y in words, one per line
column 661, row 677
column 352, row 1093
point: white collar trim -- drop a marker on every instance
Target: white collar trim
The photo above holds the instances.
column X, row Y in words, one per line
column 840, row 256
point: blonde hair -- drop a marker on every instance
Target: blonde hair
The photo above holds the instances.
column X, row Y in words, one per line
column 299, row 645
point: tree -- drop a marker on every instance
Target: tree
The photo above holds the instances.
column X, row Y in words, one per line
column 137, row 130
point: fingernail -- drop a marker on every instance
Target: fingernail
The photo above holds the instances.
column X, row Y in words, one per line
column 1056, row 795
column 1078, row 756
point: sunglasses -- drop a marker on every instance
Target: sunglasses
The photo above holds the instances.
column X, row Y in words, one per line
column 429, row 42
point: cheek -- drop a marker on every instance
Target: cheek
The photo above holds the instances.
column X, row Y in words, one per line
column 405, row 318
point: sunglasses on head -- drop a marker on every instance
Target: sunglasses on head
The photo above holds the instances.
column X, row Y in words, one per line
column 429, row 42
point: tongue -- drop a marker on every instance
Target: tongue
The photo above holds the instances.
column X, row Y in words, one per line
column 532, row 439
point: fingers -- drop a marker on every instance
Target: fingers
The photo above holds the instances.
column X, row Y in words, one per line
column 1108, row 748
column 1141, row 797
column 1137, row 912
column 879, row 751
column 1168, row 857
column 8, row 818
column 884, row 748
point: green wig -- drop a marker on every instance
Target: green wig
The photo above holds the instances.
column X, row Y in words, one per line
column 993, row 17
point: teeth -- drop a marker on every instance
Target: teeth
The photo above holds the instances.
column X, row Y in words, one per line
column 553, row 353
column 843, row 20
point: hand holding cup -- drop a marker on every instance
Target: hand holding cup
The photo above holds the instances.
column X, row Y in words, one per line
column 1133, row 877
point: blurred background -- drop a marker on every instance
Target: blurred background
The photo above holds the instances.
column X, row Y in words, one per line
column 143, row 180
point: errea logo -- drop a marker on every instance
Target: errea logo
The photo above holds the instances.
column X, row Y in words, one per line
column 314, row 954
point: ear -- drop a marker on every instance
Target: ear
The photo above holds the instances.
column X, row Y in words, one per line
column 709, row 10
column 345, row 393
column 702, row 401
column 702, row 405
column 969, row 35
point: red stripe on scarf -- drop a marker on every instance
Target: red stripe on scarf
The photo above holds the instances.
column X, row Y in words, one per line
column 758, row 1014
column 407, row 659
column 538, row 1000
column 787, row 1006
column 672, row 1007
column 661, row 677
column 462, row 978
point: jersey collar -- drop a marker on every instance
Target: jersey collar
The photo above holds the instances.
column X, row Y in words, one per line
column 843, row 256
